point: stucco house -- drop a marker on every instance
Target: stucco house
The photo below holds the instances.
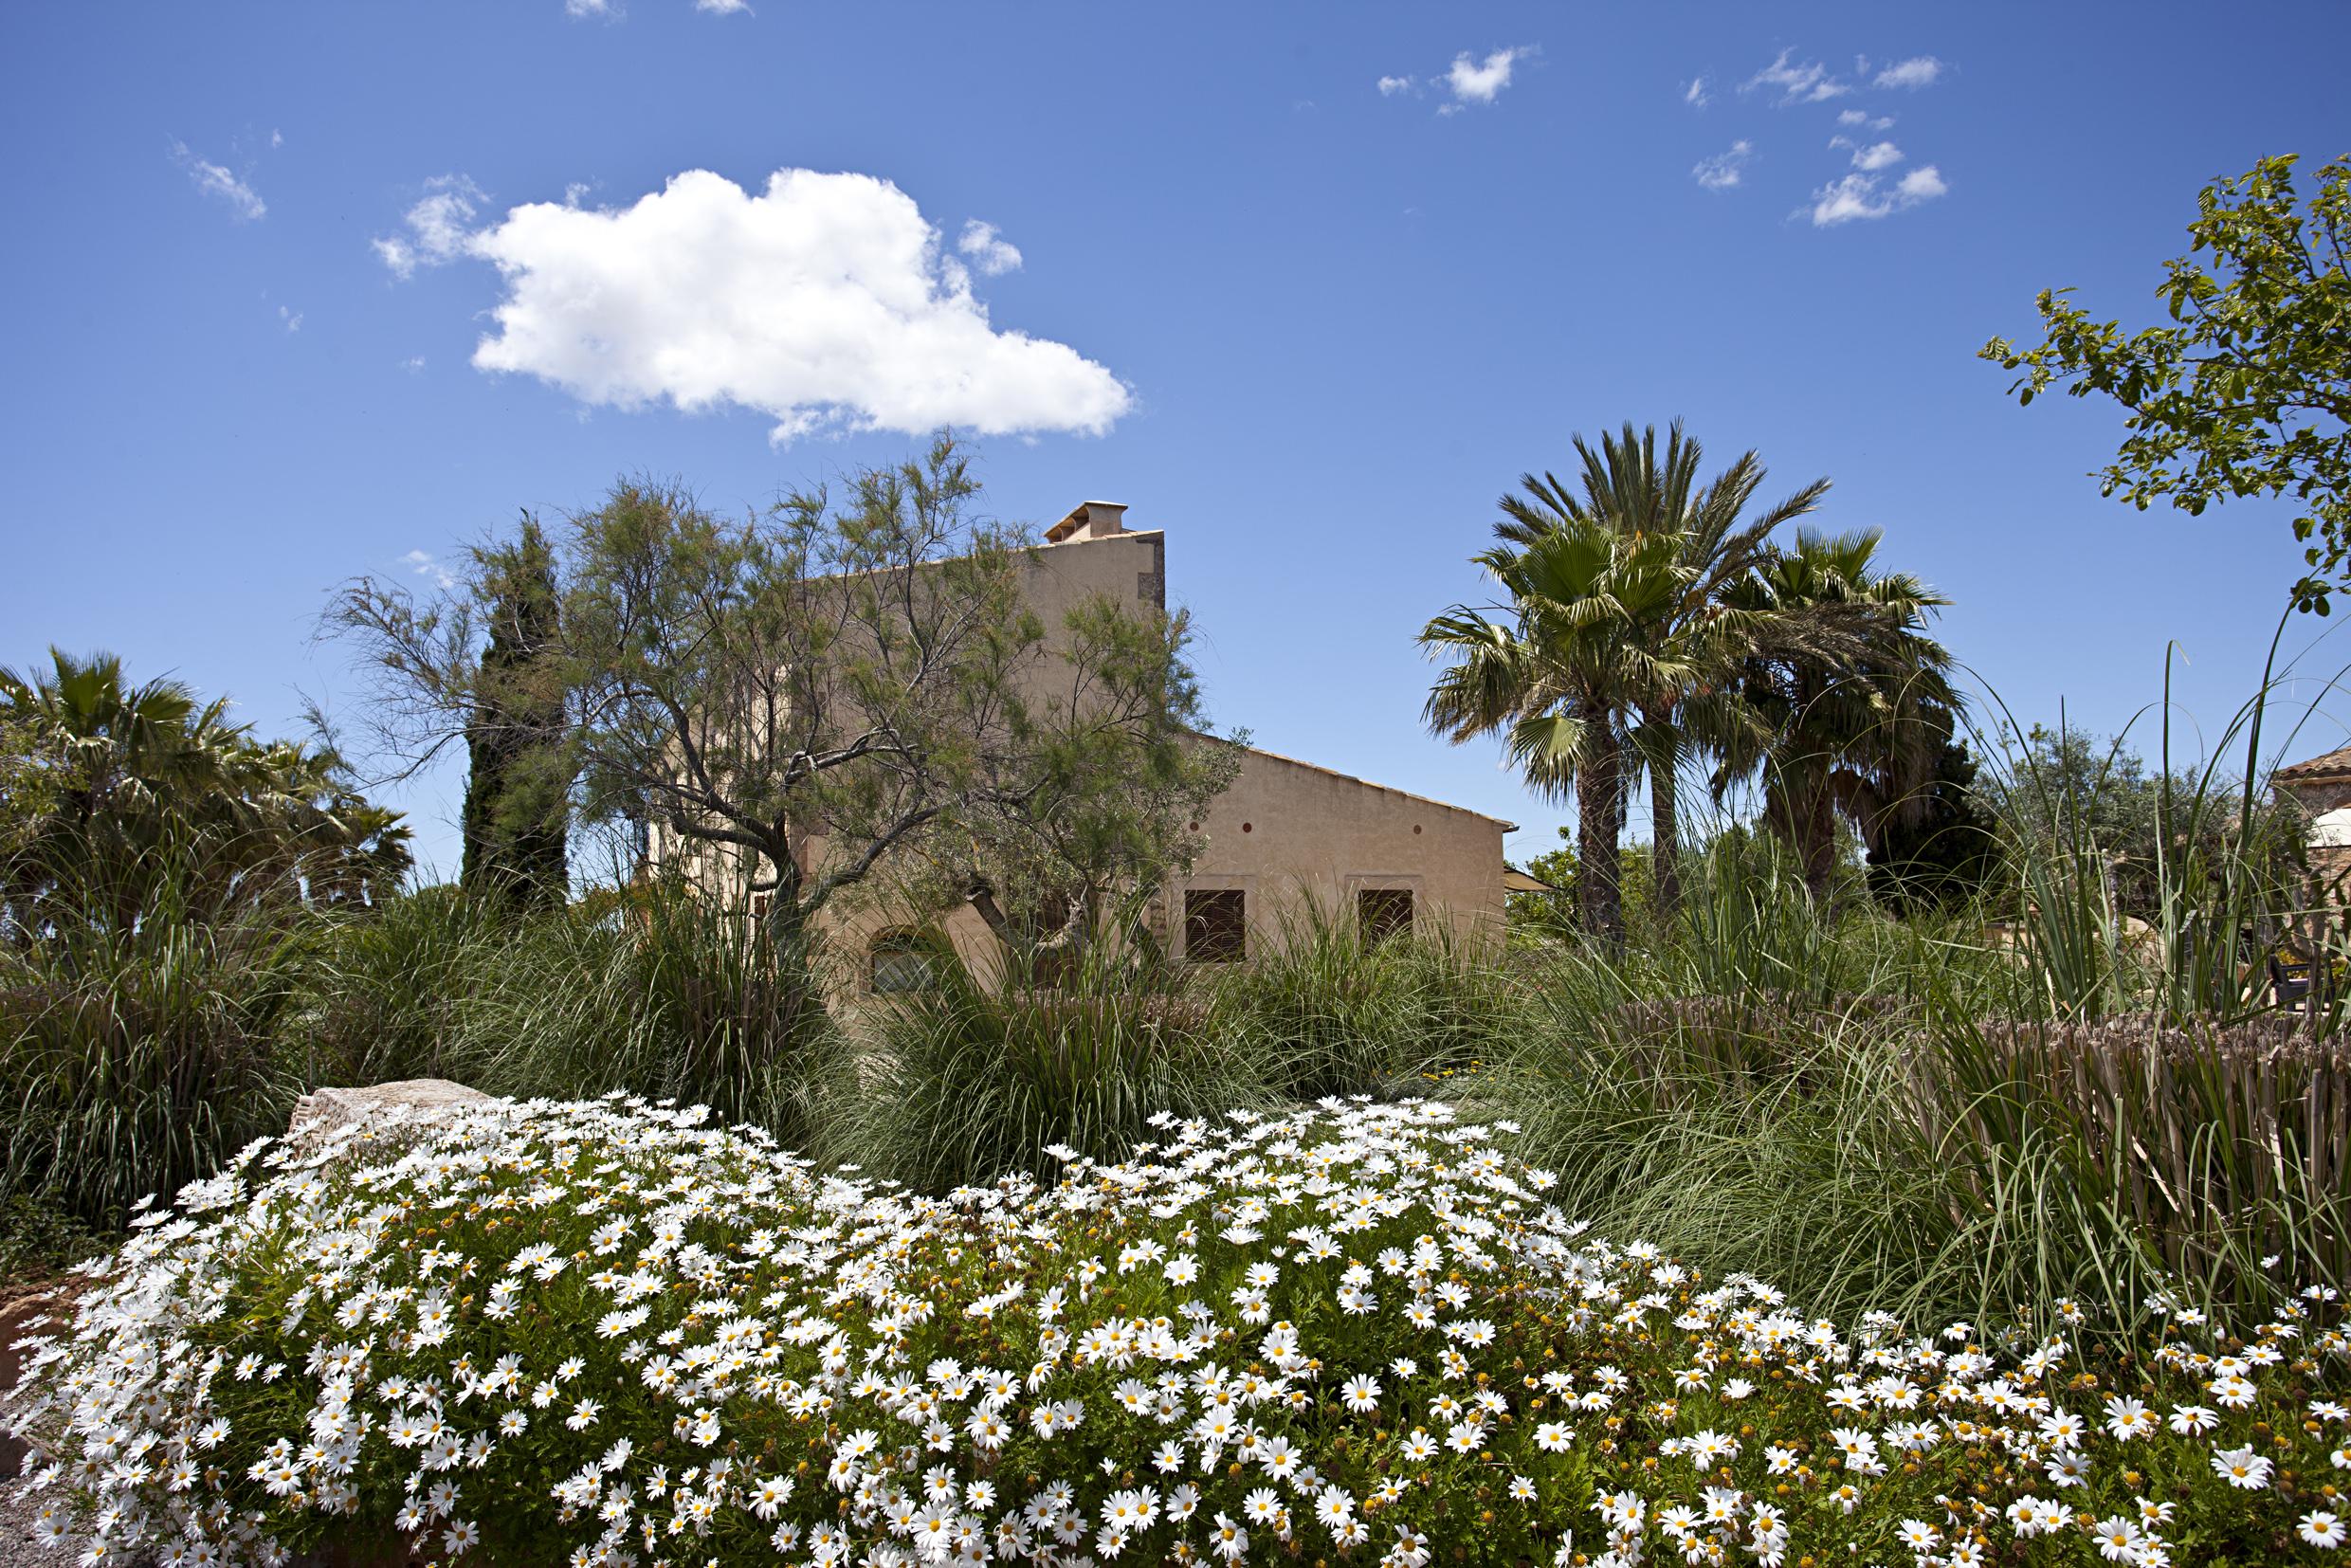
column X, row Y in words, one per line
column 1285, row 835
column 2322, row 787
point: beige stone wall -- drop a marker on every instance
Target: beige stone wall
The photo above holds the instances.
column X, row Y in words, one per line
column 1286, row 833
column 1132, row 567
column 2330, row 864
column 1288, row 836
column 1289, row 833
column 2321, row 794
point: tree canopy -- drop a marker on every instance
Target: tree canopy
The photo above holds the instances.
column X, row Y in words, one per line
column 1643, row 619
column 1692, row 636
column 848, row 684
column 516, row 818
column 2249, row 391
column 107, row 786
column 2065, row 791
column 1845, row 703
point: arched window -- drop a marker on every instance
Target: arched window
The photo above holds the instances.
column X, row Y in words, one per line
column 898, row 961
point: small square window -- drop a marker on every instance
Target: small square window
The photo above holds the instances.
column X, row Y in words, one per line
column 1383, row 912
column 1215, row 925
column 902, row 963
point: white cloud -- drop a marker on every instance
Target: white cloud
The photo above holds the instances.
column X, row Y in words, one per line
column 414, row 363
column 1472, row 82
column 1918, row 71
column 724, row 7
column 1391, row 85
column 824, row 301
column 438, row 225
column 1923, row 184
column 1695, row 94
column 1865, row 119
column 1866, row 196
column 989, row 250
column 425, row 565
column 277, row 139
column 1724, row 170
column 1807, row 83
column 1877, row 155
column 293, row 319
column 245, row 202
column 579, row 9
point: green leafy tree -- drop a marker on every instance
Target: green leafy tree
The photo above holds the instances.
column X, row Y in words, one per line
column 1847, row 705
column 802, row 700
column 110, row 785
column 1693, row 636
column 517, row 822
column 1546, row 916
column 2064, row 791
column 1945, row 852
column 1122, row 778
column 2249, row 391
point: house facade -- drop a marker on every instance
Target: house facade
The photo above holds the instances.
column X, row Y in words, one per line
column 2322, row 788
column 1286, row 839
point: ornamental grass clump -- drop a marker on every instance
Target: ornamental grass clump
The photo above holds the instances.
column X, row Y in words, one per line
column 607, row 1332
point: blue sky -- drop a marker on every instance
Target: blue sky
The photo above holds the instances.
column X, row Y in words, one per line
column 1307, row 286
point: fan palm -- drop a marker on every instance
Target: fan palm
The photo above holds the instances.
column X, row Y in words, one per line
column 117, row 759
column 127, row 773
column 1695, row 639
column 1848, row 705
column 1556, row 668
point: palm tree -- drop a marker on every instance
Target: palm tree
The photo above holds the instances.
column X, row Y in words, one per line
column 130, row 778
column 1696, row 638
column 1558, row 672
column 117, row 759
column 1848, row 705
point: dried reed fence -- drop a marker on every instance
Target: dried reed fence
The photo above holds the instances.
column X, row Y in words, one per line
column 2217, row 1144
column 2188, row 1153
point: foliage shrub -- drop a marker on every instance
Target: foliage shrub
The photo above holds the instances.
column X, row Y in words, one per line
column 1327, row 1012
column 2214, row 1146
column 970, row 1080
column 386, row 999
column 609, row 1332
column 1757, row 1132
column 657, row 989
column 134, row 1053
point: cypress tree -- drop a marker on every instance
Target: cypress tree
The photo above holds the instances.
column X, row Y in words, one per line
column 517, row 793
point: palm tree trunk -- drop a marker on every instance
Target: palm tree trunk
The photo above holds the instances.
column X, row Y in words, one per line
column 1599, row 799
column 1664, row 820
column 1817, row 843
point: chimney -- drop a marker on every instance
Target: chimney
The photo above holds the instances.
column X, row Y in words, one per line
column 1089, row 520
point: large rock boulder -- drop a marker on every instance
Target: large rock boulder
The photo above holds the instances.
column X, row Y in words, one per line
column 323, row 1115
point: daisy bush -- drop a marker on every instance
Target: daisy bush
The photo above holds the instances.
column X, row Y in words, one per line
column 609, row 1332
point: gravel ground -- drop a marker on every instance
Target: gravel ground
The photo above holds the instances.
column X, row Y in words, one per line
column 16, row 1543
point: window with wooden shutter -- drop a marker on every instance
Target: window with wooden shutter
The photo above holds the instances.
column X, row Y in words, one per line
column 1215, row 925
column 1383, row 912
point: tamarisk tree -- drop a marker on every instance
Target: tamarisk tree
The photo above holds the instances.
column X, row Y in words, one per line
column 792, row 702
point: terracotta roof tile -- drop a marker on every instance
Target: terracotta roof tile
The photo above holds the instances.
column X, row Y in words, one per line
column 1384, row 789
column 2337, row 761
